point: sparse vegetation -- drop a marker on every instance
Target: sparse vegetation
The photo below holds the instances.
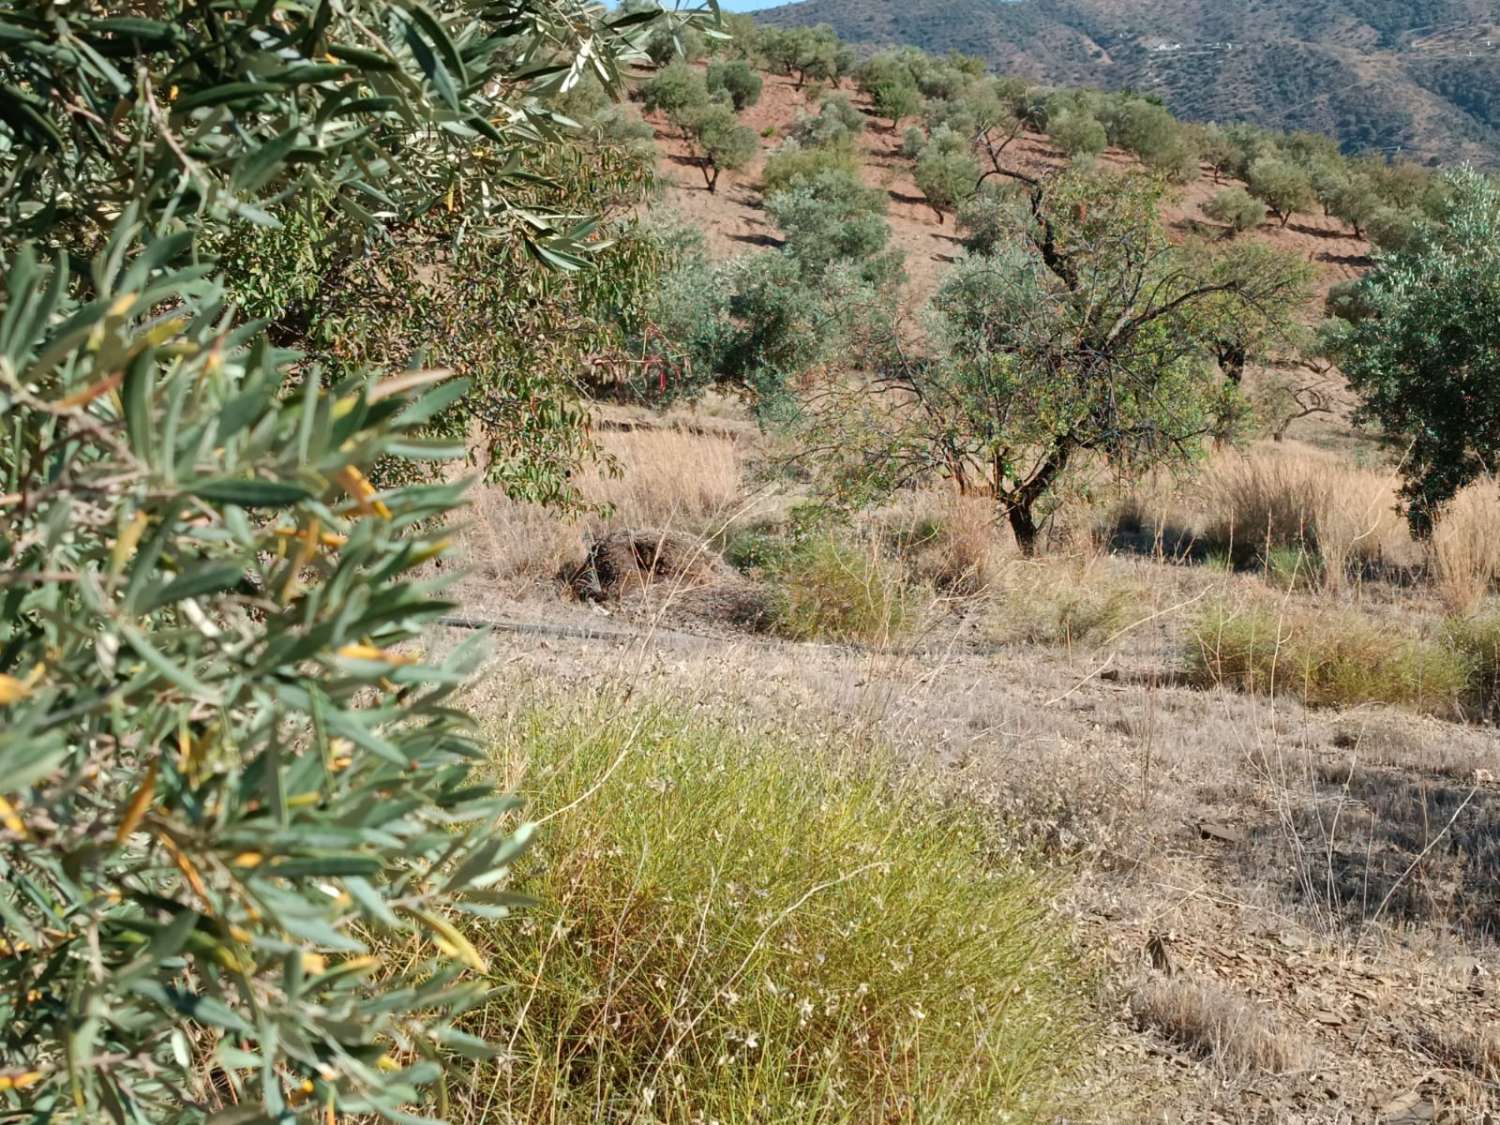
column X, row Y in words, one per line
column 736, row 923
column 1330, row 659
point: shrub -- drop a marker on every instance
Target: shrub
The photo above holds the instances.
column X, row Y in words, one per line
column 1077, row 134
column 834, row 217
column 1477, row 640
column 675, row 91
column 793, row 164
column 736, row 926
column 736, row 78
column 1065, row 605
column 988, row 218
column 833, row 591
column 913, row 141
column 1237, row 209
column 946, row 172
column 1333, row 659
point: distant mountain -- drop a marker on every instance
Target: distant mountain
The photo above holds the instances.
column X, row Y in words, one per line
column 1421, row 77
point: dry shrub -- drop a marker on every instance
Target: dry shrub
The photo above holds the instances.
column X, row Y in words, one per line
column 841, row 592
column 953, row 541
column 1065, row 602
column 1262, row 502
column 1464, row 554
column 1209, row 1020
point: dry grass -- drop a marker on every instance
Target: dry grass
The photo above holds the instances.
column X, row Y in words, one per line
column 1210, row 1021
column 668, row 478
column 663, row 478
column 1264, row 501
column 1464, row 554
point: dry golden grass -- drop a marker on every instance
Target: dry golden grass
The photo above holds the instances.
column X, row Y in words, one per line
column 660, row 478
column 1269, row 499
column 1204, row 1017
column 1464, row 554
column 667, row 478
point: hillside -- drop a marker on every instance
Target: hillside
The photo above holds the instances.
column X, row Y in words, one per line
column 1416, row 77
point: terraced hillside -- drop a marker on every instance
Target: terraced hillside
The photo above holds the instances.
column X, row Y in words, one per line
column 1417, row 77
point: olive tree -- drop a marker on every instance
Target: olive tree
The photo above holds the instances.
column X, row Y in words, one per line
column 1237, row 209
column 720, row 142
column 1282, row 186
column 1084, row 338
column 231, row 773
column 1424, row 356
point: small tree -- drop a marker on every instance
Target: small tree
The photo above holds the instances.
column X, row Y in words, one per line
column 678, row 91
column 1356, row 201
column 1077, row 134
column 721, row 142
column 1237, row 209
column 946, row 172
column 1425, row 359
column 835, row 218
column 1282, row 186
column 896, row 99
column 1085, row 333
column 736, row 78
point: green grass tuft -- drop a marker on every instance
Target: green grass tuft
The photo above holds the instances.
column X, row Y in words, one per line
column 833, row 591
column 1332, row 659
column 732, row 928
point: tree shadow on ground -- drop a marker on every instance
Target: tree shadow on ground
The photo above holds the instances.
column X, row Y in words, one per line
column 1403, row 847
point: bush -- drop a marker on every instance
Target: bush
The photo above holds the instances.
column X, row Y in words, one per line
column 987, row 218
column 1237, row 209
column 832, row 591
column 913, row 141
column 793, row 164
column 1078, row 134
column 1336, row 660
column 946, row 172
column 834, row 217
column 737, row 79
column 738, row 927
column 675, row 91
column 836, row 124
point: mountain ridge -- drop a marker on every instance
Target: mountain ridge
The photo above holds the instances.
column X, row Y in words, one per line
column 1415, row 77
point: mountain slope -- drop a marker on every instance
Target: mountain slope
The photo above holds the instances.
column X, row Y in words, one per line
column 1417, row 76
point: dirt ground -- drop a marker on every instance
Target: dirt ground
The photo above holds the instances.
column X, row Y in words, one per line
column 1334, row 875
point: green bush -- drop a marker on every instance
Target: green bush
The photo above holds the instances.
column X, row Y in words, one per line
column 676, row 90
column 834, row 591
column 1237, row 209
column 834, row 217
column 738, row 927
column 793, row 164
column 721, row 143
column 737, row 79
column 1335, row 660
column 1078, row 134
